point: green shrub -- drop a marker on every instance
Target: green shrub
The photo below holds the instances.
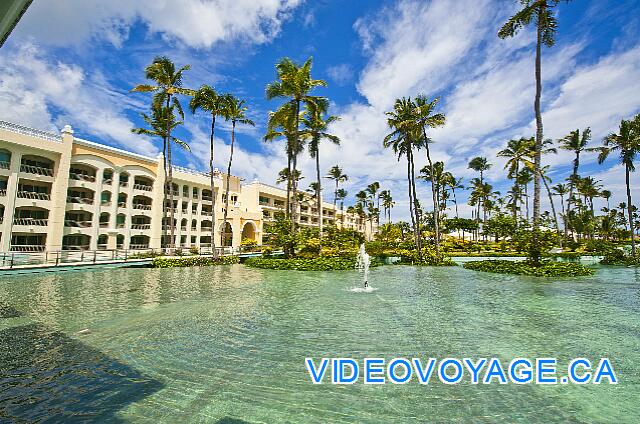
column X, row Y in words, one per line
column 544, row 269
column 598, row 246
column 618, row 257
column 166, row 262
column 145, row 255
column 194, row 250
column 322, row 263
column 566, row 255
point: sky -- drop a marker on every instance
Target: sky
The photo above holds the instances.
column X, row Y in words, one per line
column 75, row 61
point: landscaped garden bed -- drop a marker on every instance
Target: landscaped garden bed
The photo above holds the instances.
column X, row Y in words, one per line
column 322, row 263
column 544, row 269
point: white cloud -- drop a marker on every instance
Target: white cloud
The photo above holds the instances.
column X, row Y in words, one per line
column 340, row 74
column 32, row 86
column 197, row 23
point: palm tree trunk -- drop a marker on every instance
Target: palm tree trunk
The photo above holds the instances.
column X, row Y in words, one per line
column 553, row 210
column 213, row 190
column 436, row 206
column 318, row 194
column 416, row 207
column 288, row 206
column 630, row 210
column 455, row 201
column 226, row 196
column 539, row 136
column 411, row 204
column 295, row 162
column 564, row 217
column 574, row 177
column 169, row 164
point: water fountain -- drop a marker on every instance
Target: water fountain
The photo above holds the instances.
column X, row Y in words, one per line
column 362, row 264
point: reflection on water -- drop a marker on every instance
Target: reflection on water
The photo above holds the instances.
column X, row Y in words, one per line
column 227, row 344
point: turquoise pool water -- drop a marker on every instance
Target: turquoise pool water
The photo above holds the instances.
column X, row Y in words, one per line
column 227, row 344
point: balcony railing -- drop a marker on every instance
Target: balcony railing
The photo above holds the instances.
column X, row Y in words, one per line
column 207, row 198
column 120, row 225
column 124, row 183
column 138, row 246
column 83, row 200
column 107, row 181
column 140, row 226
column 183, row 228
column 206, row 213
column 33, row 195
column 122, row 204
column 27, row 248
column 143, row 187
column 142, row 206
column 104, row 224
column 31, row 222
column 37, row 170
column 105, row 202
column 74, row 223
column 5, row 164
column 82, row 177
column 3, row 192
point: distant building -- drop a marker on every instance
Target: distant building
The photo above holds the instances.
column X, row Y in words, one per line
column 60, row 192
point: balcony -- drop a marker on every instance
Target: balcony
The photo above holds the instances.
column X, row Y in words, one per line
column 138, row 246
column 77, row 224
column 140, row 226
column 3, row 192
column 37, row 222
column 82, row 200
column 5, row 165
column 143, row 187
column 36, row 170
column 82, row 177
column 141, row 206
column 207, row 198
column 33, row 195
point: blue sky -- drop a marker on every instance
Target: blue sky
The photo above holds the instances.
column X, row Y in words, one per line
column 73, row 62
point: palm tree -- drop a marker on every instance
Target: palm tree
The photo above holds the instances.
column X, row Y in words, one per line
column 387, row 203
column 480, row 164
column 455, row 184
column 168, row 84
column 208, row 100
column 234, row 111
column 341, row 194
column 316, row 130
column 540, row 12
column 627, row 143
column 425, row 117
column 295, row 83
column 517, row 152
column 577, row 143
column 159, row 121
column 546, row 180
column 281, row 124
column 335, row 173
column 562, row 190
column 402, row 140
column 606, row 194
column 372, row 189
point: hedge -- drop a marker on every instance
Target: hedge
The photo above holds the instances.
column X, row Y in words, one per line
column 545, row 269
column 323, row 263
column 165, row 262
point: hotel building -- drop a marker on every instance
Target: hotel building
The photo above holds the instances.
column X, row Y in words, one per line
column 60, row 192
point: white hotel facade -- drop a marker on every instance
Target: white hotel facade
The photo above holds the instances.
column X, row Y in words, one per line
column 60, row 192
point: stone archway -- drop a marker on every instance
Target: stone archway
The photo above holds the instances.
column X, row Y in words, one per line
column 228, row 232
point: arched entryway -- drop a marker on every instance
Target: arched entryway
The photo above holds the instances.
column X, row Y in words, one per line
column 228, row 234
column 249, row 231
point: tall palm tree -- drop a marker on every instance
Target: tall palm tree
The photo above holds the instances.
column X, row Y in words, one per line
column 479, row 164
column 455, row 184
column 160, row 119
column 168, row 84
column 427, row 118
column 517, row 153
column 546, row 180
column 208, row 100
column 577, row 143
column 562, row 190
column 540, row 12
column 282, row 124
column 295, row 84
column 606, row 195
column 315, row 131
column 372, row 189
column 336, row 174
column 234, row 111
column 341, row 194
column 402, row 140
column 627, row 144
column 387, row 203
